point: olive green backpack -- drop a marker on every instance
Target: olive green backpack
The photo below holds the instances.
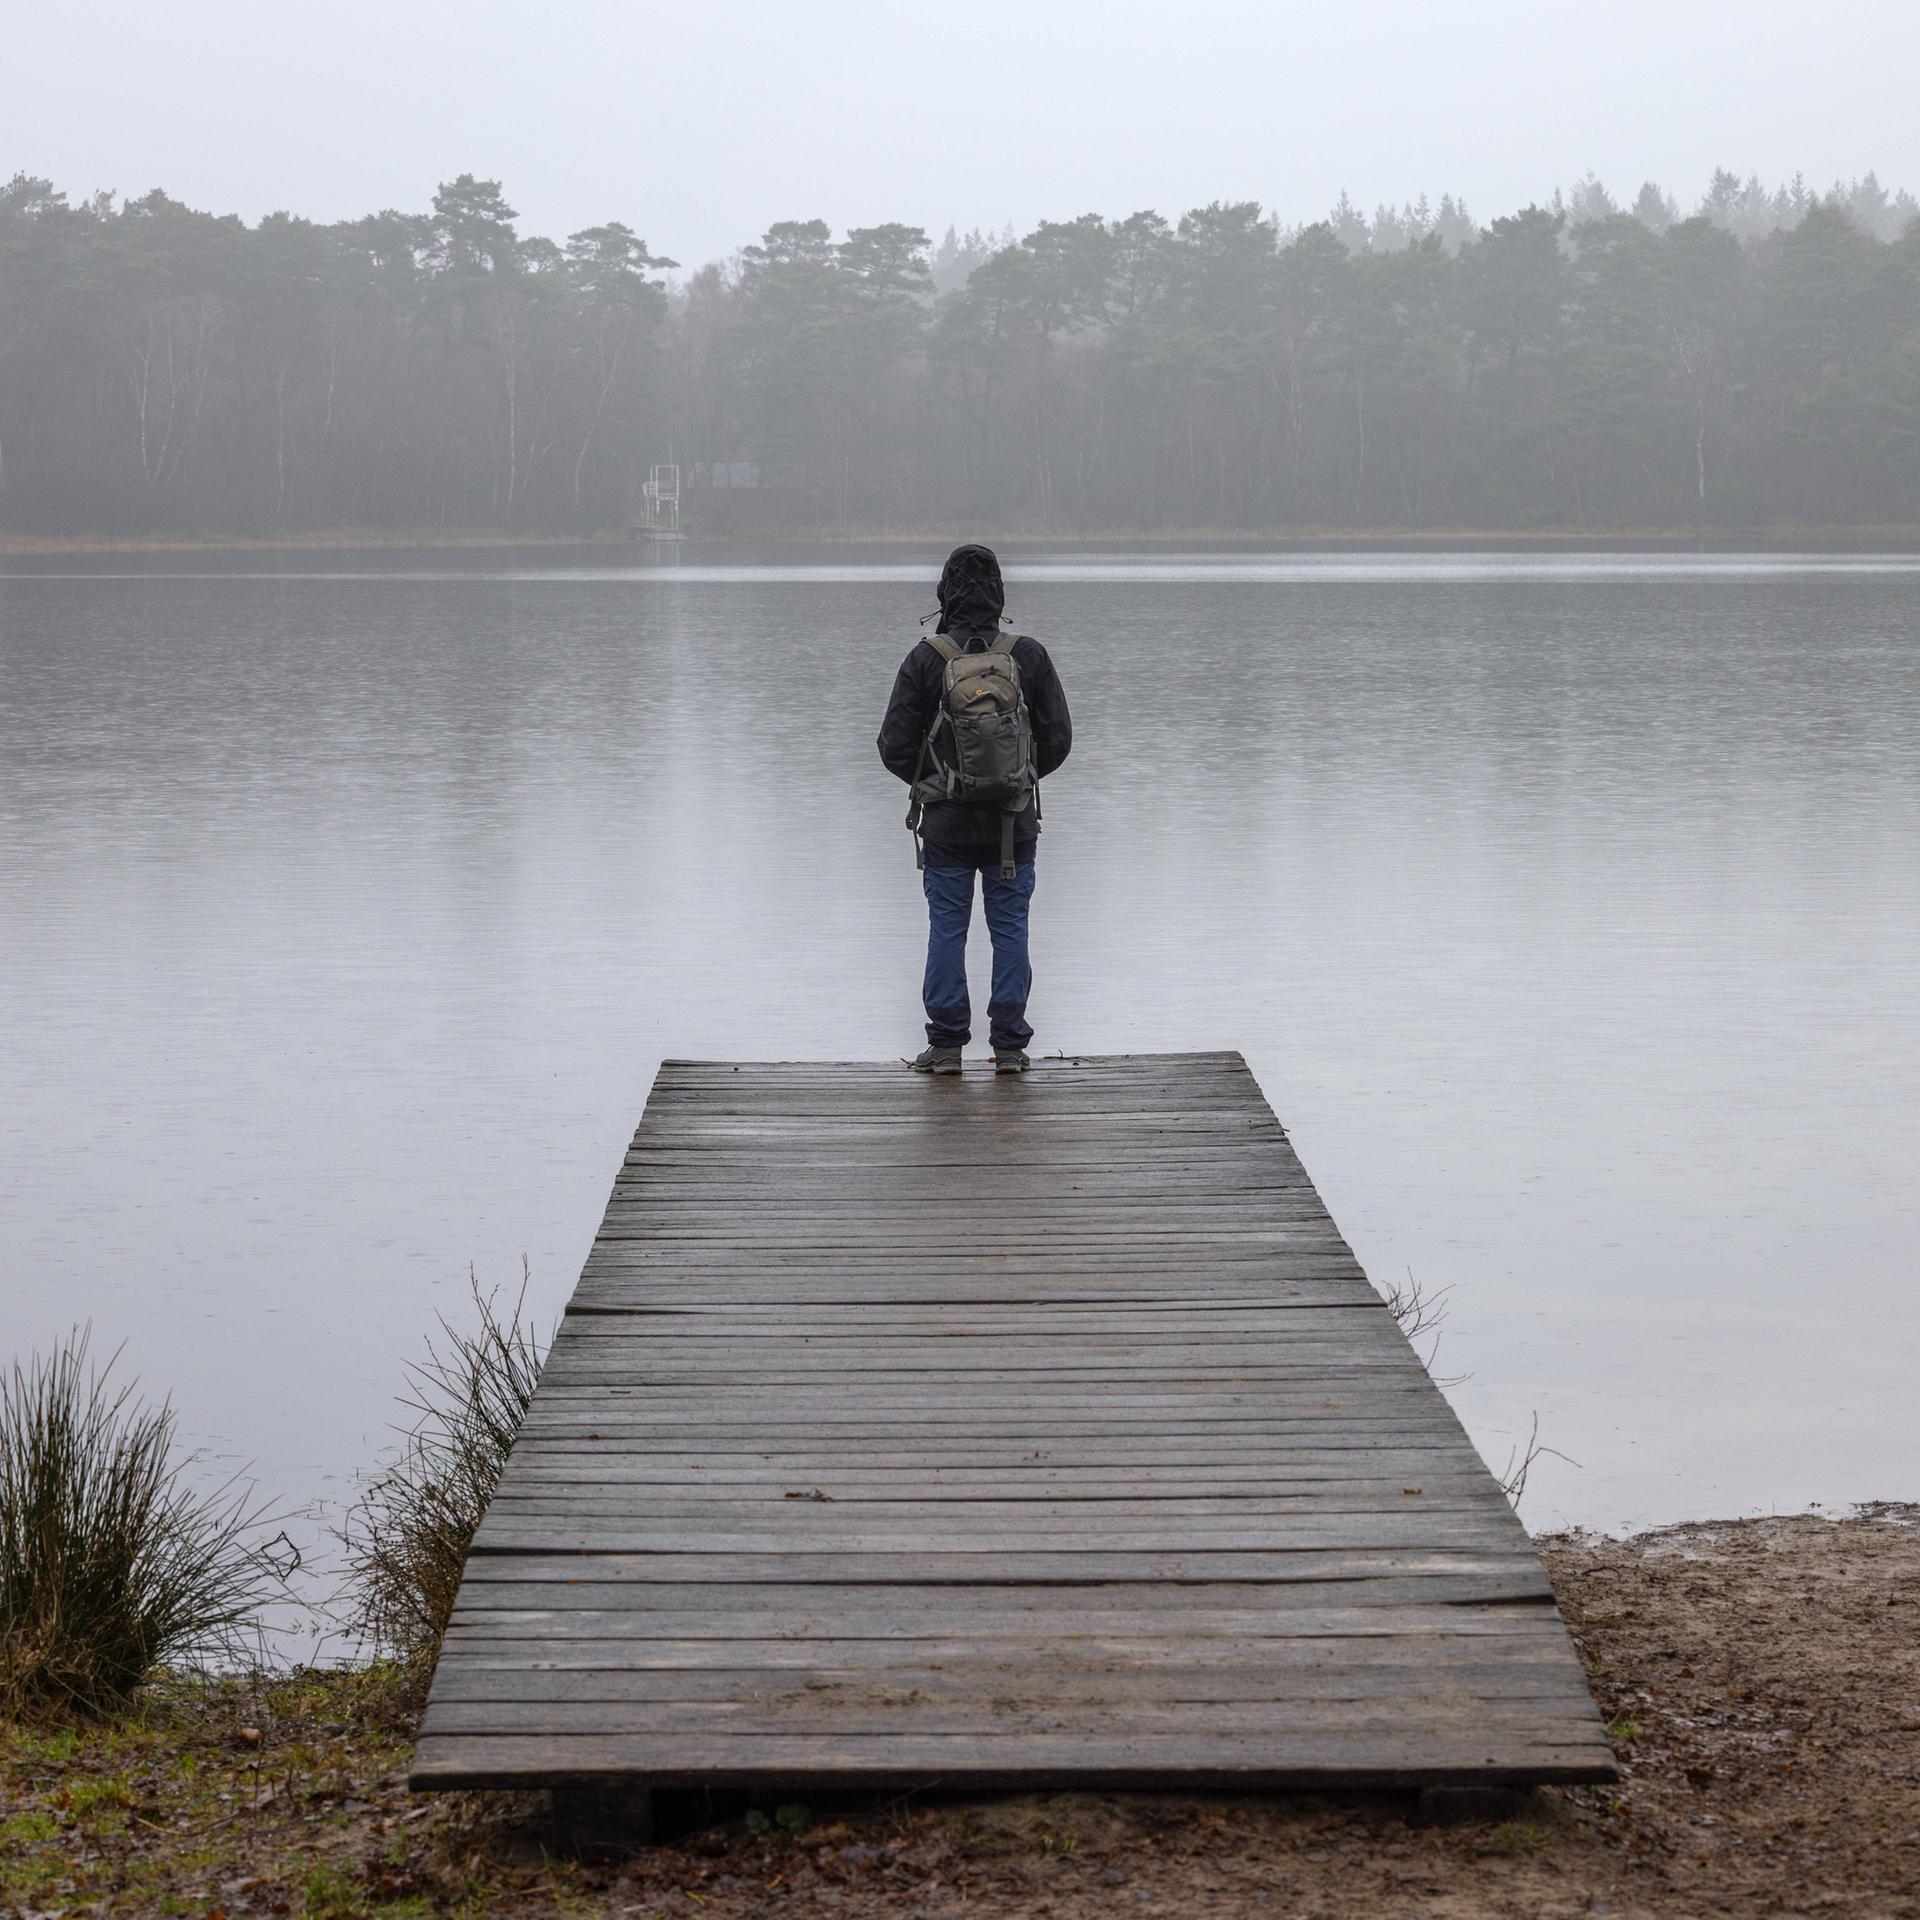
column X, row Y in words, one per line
column 979, row 750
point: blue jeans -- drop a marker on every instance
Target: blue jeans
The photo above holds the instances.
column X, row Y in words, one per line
column 949, row 910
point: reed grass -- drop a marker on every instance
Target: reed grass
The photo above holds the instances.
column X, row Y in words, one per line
column 407, row 1536
column 112, row 1562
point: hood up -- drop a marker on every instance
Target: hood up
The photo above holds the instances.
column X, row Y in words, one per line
column 972, row 595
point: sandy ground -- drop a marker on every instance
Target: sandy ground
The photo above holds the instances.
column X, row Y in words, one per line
column 1761, row 1680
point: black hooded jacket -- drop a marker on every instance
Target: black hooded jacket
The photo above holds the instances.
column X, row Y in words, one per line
column 972, row 598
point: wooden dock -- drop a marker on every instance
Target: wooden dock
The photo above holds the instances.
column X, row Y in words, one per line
column 977, row 1431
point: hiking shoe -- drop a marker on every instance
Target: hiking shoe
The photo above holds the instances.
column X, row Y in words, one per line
column 1012, row 1061
column 937, row 1060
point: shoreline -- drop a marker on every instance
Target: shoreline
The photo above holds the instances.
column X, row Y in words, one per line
column 1818, row 539
column 1760, row 1680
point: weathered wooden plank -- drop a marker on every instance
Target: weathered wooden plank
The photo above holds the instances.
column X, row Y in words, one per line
column 1390, row 1759
column 854, row 1711
column 881, row 1504
column 638, row 1485
column 1514, row 1575
column 1159, row 1427
column 1282, row 1400
column 1200, row 1437
column 780, row 1320
column 1251, row 1665
column 829, row 1528
column 1343, row 1341
column 1296, row 1469
column 1258, row 1334
column 632, row 1308
column 1532, row 1684
column 1322, row 1584
column 1241, row 1271
column 1290, row 1250
column 838, row 1526
column 1005, row 1363
column 1029, row 1404
column 1021, row 1406
column 1231, row 1615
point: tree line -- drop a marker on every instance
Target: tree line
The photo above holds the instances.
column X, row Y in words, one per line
column 1579, row 364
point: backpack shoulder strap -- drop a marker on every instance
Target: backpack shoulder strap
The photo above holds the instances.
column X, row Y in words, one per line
column 943, row 646
column 1005, row 642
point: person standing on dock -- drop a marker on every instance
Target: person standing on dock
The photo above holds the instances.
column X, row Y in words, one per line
column 977, row 720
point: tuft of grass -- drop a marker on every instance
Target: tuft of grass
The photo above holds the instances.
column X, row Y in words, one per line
column 111, row 1564
column 407, row 1536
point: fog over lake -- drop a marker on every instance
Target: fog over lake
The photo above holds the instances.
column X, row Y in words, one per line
column 1567, row 909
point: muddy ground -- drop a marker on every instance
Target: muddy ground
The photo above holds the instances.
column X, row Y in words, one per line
column 1761, row 1681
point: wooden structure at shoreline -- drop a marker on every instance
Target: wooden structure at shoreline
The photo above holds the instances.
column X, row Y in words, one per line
column 979, row 1431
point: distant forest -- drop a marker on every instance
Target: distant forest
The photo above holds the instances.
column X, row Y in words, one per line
column 1579, row 365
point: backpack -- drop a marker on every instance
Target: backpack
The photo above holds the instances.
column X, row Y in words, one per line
column 979, row 750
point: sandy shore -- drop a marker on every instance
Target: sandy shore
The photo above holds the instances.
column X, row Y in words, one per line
column 1761, row 1678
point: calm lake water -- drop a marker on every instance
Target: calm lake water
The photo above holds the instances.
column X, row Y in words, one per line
column 1568, row 910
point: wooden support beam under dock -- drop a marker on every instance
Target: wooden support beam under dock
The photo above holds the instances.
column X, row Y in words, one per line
column 1034, row 1431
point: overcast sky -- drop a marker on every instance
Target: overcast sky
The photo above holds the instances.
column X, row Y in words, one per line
column 702, row 123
